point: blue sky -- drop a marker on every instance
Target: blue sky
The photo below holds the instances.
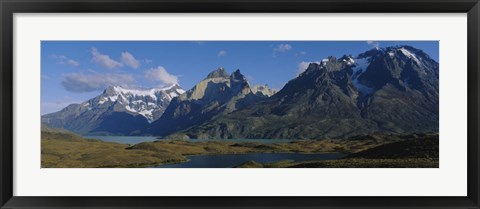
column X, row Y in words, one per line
column 75, row 71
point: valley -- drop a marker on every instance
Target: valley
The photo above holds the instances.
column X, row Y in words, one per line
column 62, row 149
column 379, row 108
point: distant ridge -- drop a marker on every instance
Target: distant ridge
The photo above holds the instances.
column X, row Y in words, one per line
column 384, row 90
column 218, row 94
column 117, row 111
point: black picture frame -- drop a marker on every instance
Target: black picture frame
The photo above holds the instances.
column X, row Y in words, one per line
column 9, row 7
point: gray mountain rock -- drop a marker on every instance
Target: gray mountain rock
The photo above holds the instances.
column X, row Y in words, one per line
column 217, row 94
column 263, row 90
column 388, row 90
column 117, row 111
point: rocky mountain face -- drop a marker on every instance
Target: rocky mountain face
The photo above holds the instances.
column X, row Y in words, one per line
column 263, row 90
column 117, row 111
column 387, row 90
column 216, row 95
column 393, row 90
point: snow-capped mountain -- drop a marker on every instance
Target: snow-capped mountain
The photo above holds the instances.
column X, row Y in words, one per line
column 392, row 90
column 383, row 90
column 117, row 110
column 219, row 93
column 149, row 103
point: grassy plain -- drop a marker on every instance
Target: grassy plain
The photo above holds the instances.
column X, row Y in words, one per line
column 62, row 149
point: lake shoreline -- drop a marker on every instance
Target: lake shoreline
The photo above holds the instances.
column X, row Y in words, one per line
column 189, row 157
column 67, row 150
column 132, row 140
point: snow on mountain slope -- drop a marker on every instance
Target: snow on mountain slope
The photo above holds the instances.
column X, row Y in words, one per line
column 150, row 103
column 360, row 66
column 117, row 111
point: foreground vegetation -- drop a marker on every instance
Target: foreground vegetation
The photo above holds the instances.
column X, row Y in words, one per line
column 61, row 149
column 349, row 163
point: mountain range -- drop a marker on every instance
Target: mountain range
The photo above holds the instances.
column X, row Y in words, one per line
column 383, row 90
column 218, row 94
column 117, row 111
column 388, row 90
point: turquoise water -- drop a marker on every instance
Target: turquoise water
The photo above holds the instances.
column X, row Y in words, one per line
column 232, row 160
column 139, row 139
column 227, row 160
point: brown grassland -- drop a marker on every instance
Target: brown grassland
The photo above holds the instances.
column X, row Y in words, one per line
column 62, row 149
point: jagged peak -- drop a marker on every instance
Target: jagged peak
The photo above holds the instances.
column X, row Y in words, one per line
column 263, row 90
column 218, row 73
column 113, row 90
column 330, row 59
column 347, row 56
column 371, row 53
column 237, row 75
column 312, row 66
column 408, row 51
column 389, row 49
column 348, row 59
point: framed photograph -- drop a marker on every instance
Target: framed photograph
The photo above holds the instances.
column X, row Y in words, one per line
column 238, row 104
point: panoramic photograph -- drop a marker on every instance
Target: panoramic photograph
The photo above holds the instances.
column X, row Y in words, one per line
column 239, row 104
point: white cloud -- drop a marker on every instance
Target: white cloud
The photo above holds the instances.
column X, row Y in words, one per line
column 104, row 60
column 160, row 74
column 374, row 44
column 73, row 63
column 64, row 60
column 91, row 70
column 301, row 53
column 129, row 60
column 281, row 48
column 222, row 53
column 80, row 82
column 148, row 61
column 302, row 66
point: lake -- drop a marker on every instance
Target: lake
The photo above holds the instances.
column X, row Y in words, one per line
column 139, row 139
column 227, row 160
column 232, row 160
